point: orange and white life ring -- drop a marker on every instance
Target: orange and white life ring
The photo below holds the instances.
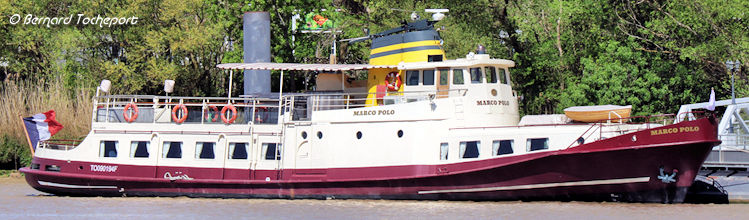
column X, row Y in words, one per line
column 233, row 114
column 176, row 108
column 130, row 117
column 212, row 114
column 393, row 80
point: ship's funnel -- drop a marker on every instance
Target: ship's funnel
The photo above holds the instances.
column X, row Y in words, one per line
column 256, row 42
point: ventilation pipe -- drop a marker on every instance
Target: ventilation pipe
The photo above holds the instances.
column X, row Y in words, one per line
column 256, row 42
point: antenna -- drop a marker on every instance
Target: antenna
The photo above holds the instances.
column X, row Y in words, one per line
column 438, row 13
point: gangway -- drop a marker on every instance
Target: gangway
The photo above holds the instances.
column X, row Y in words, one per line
column 732, row 130
column 728, row 163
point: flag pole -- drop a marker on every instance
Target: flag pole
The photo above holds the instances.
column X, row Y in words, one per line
column 26, row 132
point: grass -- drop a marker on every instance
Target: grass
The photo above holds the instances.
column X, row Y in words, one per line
column 72, row 108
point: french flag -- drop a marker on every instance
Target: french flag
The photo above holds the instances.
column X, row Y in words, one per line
column 41, row 127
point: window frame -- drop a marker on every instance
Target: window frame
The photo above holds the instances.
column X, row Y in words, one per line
column 134, row 149
column 529, row 144
column 202, row 148
column 496, row 149
column 490, row 76
column 266, row 145
column 165, row 150
column 457, row 77
column 464, row 149
column 410, row 74
column 480, row 74
column 232, row 150
column 103, row 152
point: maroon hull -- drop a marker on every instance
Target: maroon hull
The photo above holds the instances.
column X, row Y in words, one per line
column 622, row 168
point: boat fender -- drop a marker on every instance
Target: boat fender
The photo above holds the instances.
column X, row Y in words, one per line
column 393, row 80
column 211, row 115
column 233, row 114
column 128, row 117
column 184, row 114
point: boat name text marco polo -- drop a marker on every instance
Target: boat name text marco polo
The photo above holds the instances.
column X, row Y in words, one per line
column 492, row 102
column 674, row 130
column 374, row 112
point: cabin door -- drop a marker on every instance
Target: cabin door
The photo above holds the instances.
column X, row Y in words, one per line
column 269, row 158
column 443, row 84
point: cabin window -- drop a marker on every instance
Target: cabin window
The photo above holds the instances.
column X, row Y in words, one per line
column 503, row 77
column 139, row 149
column 469, row 149
column 443, row 77
column 238, row 151
column 172, row 150
column 502, row 147
column 272, row 151
column 204, row 150
column 534, row 144
column 444, row 147
column 457, row 76
column 491, row 74
column 428, row 77
column 476, row 75
column 108, row 149
column 412, row 77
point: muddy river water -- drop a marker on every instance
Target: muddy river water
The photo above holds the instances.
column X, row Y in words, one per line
column 19, row 201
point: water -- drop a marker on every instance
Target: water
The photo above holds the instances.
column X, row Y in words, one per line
column 19, row 201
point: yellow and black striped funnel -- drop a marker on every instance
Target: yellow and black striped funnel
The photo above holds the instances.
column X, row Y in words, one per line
column 413, row 42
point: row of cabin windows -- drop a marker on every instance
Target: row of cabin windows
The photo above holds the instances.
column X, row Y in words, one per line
column 470, row 149
column 477, row 76
column 203, row 150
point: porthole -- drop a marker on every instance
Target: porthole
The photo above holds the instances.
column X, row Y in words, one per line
column 319, row 135
column 304, row 135
column 400, row 133
column 358, row 135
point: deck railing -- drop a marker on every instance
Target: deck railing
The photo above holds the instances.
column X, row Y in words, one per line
column 249, row 109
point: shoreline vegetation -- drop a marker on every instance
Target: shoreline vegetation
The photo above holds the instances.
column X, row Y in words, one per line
column 23, row 99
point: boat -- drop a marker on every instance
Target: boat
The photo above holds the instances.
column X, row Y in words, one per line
column 598, row 113
column 421, row 127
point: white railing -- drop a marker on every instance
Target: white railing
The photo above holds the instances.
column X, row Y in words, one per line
column 249, row 110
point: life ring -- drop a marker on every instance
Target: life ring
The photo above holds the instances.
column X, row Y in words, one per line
column 257, row 116
column 233, row 114
column 129, row 118
column 214, row 111
column 393, row 80
column 184, row 114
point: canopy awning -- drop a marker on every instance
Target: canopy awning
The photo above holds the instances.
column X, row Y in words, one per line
column 302, row 66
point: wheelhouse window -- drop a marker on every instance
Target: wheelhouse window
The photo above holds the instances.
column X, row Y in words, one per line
column 491, row 74
column 272, row 151
column 476, row 75
column 534, row 144
column 428, row 77
column 469, row 149
column 172, row 150
column 139, row 149
column 503, row 76
column 205, row 150
column 444, row 147
column 238, row 151
column 443, row 76
column 412, row 77
column 108, row 149
column 457, row 77
column 502, row 147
